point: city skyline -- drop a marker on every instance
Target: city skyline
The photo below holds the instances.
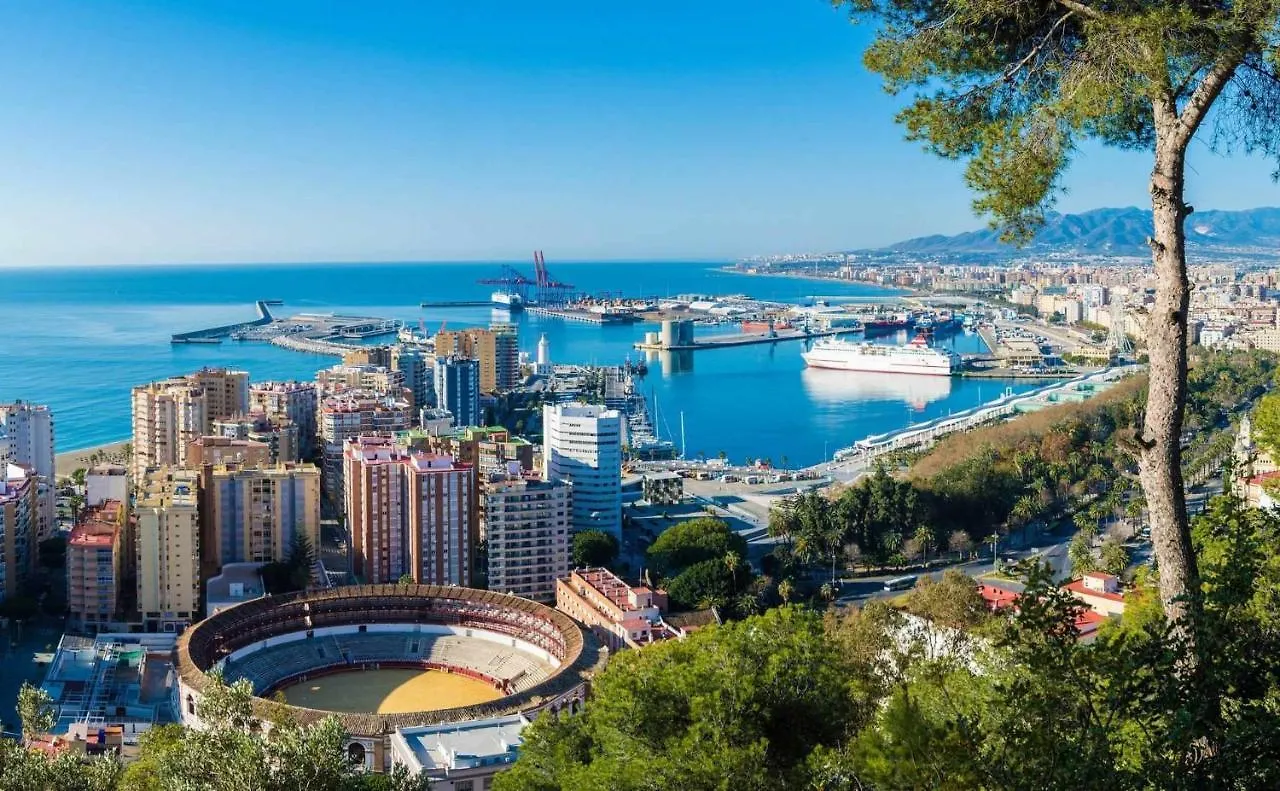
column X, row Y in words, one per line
column 229, row 132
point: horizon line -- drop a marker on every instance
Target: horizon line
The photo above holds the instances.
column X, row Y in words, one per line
column 370, row 262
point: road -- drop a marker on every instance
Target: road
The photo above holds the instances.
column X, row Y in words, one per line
column 1054, row 553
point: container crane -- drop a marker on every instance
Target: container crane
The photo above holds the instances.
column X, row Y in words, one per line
column 550, row 290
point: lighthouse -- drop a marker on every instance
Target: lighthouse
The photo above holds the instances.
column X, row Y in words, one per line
column 544, row 356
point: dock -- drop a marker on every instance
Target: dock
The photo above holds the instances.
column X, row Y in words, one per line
column 744, row 339
column 216, row 334
column 585, row 316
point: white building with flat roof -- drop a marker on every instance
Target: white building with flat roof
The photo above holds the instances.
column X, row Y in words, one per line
column 582, row 445
column 106, row 482
column 460, row 756
column 238, row 583
column 26, row 438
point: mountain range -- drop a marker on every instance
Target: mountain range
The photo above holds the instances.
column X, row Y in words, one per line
column 1119, row 232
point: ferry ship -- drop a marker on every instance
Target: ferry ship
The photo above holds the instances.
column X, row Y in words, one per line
column 507, row 299
column 916, row 357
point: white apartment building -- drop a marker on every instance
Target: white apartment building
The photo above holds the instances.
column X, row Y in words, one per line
column 106, row 482
column 582, row 446
column 27, row 438
column 168, row 549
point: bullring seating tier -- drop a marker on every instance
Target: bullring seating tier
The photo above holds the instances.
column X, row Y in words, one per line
column 531, row 682
column 268, row 667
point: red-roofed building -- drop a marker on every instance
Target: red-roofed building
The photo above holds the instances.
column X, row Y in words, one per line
column 1087, row 624
column 1100, row 592
column 94, row 562
column 620, row 615
column 1002, row 599
column 997, row 598
column 1256, row 486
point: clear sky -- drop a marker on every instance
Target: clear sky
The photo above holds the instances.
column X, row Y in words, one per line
column 140, row 131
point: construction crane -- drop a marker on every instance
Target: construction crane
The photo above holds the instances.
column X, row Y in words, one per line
column 550, row 290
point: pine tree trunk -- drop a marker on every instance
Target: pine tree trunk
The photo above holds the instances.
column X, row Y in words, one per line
column 1160, row 462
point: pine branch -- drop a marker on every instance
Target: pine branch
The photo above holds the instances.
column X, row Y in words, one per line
column 1207, row 92
column 1080, row 8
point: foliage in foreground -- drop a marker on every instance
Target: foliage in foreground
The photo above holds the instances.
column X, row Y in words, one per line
column 790, row 699
column 231, row 754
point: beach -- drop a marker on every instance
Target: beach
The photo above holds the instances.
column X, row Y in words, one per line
column 72, row 460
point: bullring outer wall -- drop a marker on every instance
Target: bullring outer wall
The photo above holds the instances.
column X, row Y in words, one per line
column 204, row 645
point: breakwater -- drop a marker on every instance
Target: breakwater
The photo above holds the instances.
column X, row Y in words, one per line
column 212, row 334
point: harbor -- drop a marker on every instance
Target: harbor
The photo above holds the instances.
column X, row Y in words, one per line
column 216, row 334
column 677, row 336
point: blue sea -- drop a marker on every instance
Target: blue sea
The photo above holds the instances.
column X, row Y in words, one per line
column 78, row 339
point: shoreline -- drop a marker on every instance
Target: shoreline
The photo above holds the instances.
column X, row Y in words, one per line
column 904, row 292
column 69, row 461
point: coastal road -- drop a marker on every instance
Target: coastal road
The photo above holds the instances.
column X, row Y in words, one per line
column 1054, row 554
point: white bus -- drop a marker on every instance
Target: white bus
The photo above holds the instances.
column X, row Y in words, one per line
column 900, row 583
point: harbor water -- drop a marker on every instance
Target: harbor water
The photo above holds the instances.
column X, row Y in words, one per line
column 78, row 339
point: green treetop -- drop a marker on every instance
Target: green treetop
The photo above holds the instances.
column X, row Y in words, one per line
column 1014, row 86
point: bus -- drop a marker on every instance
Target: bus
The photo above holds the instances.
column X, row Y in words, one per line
column 900, row 583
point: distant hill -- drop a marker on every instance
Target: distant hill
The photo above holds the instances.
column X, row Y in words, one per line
column 1116, row 232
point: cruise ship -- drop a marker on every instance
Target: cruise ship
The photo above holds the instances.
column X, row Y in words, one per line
column 916, row 357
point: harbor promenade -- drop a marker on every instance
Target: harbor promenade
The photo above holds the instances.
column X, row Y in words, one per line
column 848, row 463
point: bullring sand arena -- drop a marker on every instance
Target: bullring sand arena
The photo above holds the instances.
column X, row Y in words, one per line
column 394, row 691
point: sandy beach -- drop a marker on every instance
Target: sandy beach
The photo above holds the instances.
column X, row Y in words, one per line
column 69, row 462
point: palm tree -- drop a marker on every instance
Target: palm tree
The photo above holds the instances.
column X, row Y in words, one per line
column 731, row 561
column 827, row 591
column 924, row 537
column 786, row 589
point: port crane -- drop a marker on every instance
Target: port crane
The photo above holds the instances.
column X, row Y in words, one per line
column 513, row 279
column 550, row 290
column 544, row 288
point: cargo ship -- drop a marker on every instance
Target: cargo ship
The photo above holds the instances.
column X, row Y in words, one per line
column 507, row 299
column 916, row 357
column 883, row 323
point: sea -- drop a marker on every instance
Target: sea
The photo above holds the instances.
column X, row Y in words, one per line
column 78, row 339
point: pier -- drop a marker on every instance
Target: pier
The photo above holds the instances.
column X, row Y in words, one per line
column 742, row 339
column 585, row 316
column 299, row 343
column 216, row 334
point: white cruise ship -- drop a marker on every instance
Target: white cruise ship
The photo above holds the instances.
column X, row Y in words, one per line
column 916, row 357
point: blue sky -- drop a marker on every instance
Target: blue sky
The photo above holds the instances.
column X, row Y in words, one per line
column 144, row 131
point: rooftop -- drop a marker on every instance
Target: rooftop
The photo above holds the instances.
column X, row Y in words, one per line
column 609, row 585
column 446, row 748
column 1078, row 587
column 107, row 469
column 99, row 526
column 238, row 582
column 166, row 487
